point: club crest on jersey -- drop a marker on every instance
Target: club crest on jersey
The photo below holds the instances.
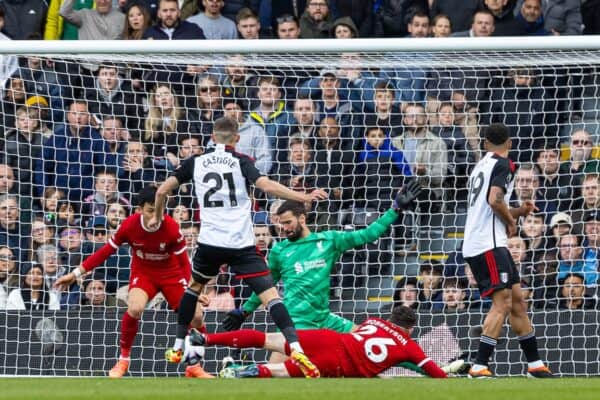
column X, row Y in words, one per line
column 320, row 245
column 504, row 277
column 140, row 254
column 163, row 246
column 509, row 178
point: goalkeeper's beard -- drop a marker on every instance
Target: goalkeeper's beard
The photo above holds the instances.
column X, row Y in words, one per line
column 295, row 234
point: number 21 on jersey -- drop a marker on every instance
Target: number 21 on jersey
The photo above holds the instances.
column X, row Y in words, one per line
column 376, row 348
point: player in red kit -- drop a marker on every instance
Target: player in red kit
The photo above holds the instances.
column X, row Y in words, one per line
column 373, row 347
column 159, row 264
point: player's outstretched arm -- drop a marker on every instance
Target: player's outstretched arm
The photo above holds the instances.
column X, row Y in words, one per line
column 86, row 266
column 164, row 190
column 278, row 190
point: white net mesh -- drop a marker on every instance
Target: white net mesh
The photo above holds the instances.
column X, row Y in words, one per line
column 81, row 135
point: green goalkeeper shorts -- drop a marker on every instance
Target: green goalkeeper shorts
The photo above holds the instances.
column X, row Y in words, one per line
column 332, row 321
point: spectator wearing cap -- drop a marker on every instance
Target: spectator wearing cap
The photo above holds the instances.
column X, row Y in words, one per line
column 459, row 12
column 33, row 295
column 22, row 146
column 530, row 19
column 316, row 21
column 14, row 231
column 9, row 274
column 343, row 28
column 214, row 25
column 105, row 191
column 101, row 23
column 253, row 139
column 406, row 293
column 591, row 230
column 361, row 13
column 572, row 259
column 560, row 224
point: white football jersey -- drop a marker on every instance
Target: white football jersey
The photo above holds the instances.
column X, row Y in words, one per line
column 484, row 230
column 221, row 177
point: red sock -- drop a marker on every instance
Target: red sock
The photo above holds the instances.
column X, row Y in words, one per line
column 239, row 339
column 129, row 328
column 263, row 371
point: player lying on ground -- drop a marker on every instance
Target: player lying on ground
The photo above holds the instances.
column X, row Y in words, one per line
column 373, row 347
column 490, row 222
column 159, row 264
column 304, row 263
column 221, row 178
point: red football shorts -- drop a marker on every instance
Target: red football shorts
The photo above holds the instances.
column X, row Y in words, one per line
column 171, row 283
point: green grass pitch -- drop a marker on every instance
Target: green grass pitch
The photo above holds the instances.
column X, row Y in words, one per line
column 323, row 389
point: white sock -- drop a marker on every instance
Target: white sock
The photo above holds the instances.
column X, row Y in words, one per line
column 478, row 367
column 124, row 358
column 178, row 344
column 295, row 346
column 535, row 364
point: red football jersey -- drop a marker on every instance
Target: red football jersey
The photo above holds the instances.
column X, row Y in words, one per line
column 378, row 345
column 151, row 250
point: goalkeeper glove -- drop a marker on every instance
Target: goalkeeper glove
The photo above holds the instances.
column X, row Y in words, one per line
column 407, row 195
column 234, row 319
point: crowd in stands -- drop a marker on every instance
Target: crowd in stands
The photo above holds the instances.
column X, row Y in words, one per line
column 79, row 140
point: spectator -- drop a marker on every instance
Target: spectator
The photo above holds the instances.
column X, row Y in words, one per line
column 504, row 17
column 247, row 24
column 453, row 295
column 270, row 112
column 137, row 21
column 71, row 155
column 533, row 230
column 530, row 19
column 386, row 114
column 393, row 16
column 572, row 260
column 418, row 25
column 253, row 139
column 114, row 96
column 592, row 233
column 219, row 294
column 190, row 232
column 300, row 122
column 165, row 122
column 429, row 285
column 8, row 63
column 101, row 23
column 94, row 294
column 181, row 214
column 280, row 8
column 474, row 299
column 214, row 25
column 42, row 234
column 14, row 232
column 14, row 98
column 71, row 246
column 23, row 18
column 572, row 290
column 425, row 153
column 343, row 28
column 115, row 214
column 9, row 274
column 105, row 191
column 233, row 7
column 136, row 168
column 406, row 293
column 189, row 146
column 459, row 12
column 170, row 26
column 264, row 240
column 589, row 202
column 361, row 12
column 22, row 146
column 441, row 26
column 299, row 172
column 553, row 186
column 562, row 17
column 33, row 295
column 239, row 82
column 526, row 185
column 47, row 257
column 49, row 204
column 288, row 27
column 380, row 171
column 209, row 103
column 523, row 107
column 580, row 162
column 115, row 138
column 483, row 25
column 518, row 252
column 46, row 88
column 57, row 28
column 68, row 214
column 316, row 21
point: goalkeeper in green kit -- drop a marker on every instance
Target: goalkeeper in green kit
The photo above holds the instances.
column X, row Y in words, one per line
column 305, row 260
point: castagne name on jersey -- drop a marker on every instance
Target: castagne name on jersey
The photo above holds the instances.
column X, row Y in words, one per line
column 228, row 161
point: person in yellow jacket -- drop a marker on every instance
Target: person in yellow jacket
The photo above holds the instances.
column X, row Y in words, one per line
column 59, row 29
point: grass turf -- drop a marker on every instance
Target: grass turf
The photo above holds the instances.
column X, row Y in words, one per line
column 326, row 389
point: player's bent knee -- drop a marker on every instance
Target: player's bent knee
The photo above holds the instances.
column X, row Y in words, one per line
column 135, row 310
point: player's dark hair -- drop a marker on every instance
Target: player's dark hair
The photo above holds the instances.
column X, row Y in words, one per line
column 295, row 207
column 497, row 134
column 146, row 195
column 404, row 317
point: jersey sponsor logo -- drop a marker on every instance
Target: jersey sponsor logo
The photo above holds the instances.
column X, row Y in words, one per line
column 298, row 268
column 308, row 265
column 134, row 244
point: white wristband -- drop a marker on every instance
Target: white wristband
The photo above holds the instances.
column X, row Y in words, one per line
column 77, row 272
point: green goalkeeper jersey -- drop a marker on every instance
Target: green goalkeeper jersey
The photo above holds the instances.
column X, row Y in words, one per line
column 304, row 266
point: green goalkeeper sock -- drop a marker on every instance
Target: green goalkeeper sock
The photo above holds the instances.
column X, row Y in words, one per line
column 411, row 366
